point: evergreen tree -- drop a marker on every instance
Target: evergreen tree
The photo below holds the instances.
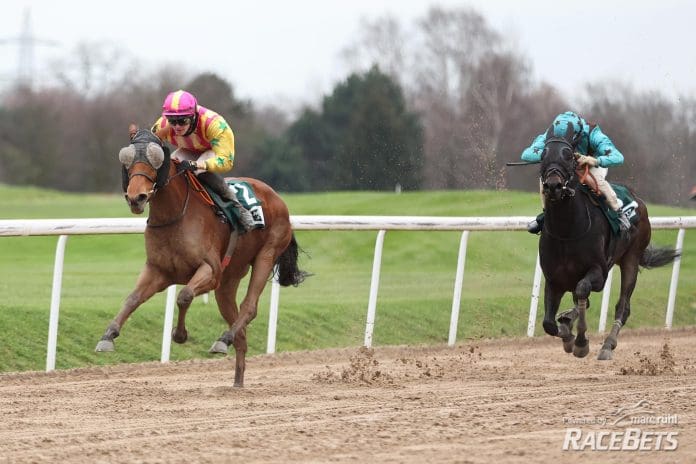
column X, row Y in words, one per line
column 364, row 137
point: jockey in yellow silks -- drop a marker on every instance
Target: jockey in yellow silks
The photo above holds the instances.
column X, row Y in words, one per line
column 204, row 141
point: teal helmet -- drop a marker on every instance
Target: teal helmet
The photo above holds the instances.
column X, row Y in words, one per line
column 560, row 124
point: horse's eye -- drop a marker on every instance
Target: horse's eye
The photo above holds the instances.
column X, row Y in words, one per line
column 567, row 154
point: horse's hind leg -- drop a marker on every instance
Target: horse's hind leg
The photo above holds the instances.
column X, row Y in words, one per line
column 149, row 282
column 629, row 276
column 582, row 343
column 566, row 320
column 226, row 297
column 261, row 269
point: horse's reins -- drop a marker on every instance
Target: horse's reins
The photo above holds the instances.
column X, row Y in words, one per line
column 582, row 177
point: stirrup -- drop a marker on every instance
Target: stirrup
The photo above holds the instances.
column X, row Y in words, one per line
column 624, row 223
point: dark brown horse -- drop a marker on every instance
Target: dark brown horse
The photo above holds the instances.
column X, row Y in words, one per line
column 577, row 248
column 186, row 244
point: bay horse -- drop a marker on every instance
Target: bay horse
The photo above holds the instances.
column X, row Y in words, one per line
column 577, row 248
column 186, row 244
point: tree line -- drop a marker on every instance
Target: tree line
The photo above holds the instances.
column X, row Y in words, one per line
column 442, row 103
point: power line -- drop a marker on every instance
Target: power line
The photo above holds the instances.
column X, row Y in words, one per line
column 27, row 43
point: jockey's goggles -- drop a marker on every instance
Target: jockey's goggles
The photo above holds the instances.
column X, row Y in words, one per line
column 179, row 121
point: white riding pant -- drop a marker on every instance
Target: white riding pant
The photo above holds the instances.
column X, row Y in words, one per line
column 605, row 187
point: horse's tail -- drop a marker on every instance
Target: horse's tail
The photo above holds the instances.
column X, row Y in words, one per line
column 656, row 257
column 288, row 272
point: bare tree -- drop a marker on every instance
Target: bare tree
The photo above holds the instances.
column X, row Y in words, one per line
column 498, row 79
column 382, row 41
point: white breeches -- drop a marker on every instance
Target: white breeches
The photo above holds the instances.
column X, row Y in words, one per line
column 605, row 187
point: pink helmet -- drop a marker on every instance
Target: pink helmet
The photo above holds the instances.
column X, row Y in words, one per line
column 179, row 103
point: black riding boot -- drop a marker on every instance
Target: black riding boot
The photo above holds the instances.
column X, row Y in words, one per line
column 219, row 186
column 536, row 225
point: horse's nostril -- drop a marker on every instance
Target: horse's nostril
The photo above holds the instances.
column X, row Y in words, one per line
column 142, row 197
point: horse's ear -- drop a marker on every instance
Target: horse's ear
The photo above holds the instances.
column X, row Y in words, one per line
column 154, row 155
column 549, row 132
column 127, row 155
column 570, row 132
column 132, row 130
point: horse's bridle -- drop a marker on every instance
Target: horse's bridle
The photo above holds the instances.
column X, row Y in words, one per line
column 147, row 176
column 156, row 187
column 560, row 171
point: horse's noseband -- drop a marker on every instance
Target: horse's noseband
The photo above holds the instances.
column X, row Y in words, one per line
column 558, row 168
column 145, row 175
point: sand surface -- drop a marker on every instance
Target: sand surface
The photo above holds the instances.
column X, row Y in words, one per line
column 486, row 401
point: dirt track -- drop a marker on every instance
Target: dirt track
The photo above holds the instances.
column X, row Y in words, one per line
column 492, row 401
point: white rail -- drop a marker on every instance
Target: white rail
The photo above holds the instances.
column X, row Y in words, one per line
column 66, row 227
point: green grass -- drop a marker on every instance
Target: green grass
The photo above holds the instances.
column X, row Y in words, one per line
column 329, row 309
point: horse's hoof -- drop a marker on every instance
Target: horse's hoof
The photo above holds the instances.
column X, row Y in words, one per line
column 568, row 344
column 550, row 328
column 179, row 337
column 218, row 347
column 105, row 345
column 565, row 331
column 605, row 355
column 581, row 351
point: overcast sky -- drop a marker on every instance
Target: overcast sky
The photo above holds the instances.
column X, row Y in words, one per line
column 290, row 49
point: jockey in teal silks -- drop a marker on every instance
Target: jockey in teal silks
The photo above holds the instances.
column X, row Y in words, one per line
column 594, row 149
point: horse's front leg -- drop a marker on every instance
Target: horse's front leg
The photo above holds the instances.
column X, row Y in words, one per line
column 204, row 279
column 149, row 282
column 552, row 299
column 593, row 279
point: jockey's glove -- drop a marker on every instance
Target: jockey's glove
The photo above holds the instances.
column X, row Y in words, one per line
column 187, row 165
column 591, row 160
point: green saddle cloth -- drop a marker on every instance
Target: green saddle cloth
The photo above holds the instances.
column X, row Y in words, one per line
column 246, row 196
column 629, row 207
